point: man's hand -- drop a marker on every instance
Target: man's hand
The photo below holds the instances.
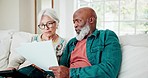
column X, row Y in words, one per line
column 60, row 71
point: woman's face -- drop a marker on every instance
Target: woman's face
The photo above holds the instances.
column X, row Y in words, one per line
column 49, row 26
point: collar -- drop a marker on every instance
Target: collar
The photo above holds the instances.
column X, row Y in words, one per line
column 94, row 34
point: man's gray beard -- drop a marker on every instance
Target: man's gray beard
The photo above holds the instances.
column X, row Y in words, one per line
column 84, row 31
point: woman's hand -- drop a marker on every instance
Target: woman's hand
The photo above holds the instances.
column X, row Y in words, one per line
column 10, row 68
column 60, row 71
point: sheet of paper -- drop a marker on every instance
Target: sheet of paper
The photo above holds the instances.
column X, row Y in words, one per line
column 41, row 54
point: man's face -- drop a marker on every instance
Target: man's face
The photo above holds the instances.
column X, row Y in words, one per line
column 81, row 26
column 79, row 23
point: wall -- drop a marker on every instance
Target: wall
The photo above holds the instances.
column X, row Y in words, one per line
column 17, row 14
column 26, row 15
column 65, row 9
column 9, row 14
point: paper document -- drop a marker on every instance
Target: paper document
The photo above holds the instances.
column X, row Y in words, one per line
column 41, row 54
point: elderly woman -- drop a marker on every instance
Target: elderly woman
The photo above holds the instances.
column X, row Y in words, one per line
column 48, row 23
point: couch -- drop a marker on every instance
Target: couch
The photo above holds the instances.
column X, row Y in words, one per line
column 9, row 41
column 134, row 52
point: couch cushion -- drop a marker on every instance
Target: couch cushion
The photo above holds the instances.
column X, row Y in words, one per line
column 134, row 62
column 20, row 37
column 134, row 56
column 5, row 40
column 134, row 40
column 17, row 39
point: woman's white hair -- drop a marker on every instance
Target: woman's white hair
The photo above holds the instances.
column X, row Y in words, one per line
column 49, row 12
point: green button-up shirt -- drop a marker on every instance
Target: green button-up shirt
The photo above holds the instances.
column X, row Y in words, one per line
column 103, row 52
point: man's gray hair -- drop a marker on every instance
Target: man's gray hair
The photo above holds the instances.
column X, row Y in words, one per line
column 49, row 12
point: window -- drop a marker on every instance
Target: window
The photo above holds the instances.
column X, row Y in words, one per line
column 121, row 16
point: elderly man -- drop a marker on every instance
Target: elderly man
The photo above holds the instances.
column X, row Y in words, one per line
column 92, row 53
